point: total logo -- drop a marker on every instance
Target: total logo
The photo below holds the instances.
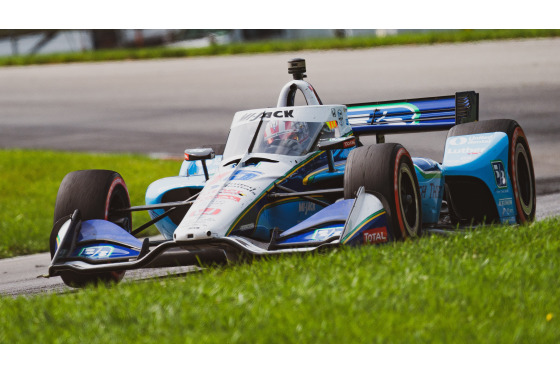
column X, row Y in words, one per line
column 349, row 143
column 377, row 235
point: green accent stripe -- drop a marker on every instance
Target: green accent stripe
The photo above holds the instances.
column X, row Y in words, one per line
column 311, row 176
column 415, row 115
column 385, row 105
column 362, row 224
column 428, row 174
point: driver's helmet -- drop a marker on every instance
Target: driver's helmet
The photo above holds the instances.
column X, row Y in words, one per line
column 279, row 131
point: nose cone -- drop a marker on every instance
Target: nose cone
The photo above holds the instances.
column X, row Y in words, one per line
column 224, row 198
column 192, row 233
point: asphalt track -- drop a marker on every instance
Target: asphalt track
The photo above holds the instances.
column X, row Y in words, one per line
column 165, row 106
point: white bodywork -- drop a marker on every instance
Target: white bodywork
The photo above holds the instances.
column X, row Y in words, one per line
column 239, row 183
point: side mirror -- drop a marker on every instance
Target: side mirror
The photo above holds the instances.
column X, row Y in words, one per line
column 337, row 143
column 201, row 154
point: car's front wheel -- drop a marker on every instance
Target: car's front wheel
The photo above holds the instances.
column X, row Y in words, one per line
column 387, row 170
column 97, row 194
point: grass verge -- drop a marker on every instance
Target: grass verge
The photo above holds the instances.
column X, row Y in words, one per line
column 491, row 285
column 455, row 36
column 29, row 185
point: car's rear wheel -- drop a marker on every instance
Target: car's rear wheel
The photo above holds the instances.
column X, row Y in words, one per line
column 387, row 171
column 520, row 162
column 97, row 194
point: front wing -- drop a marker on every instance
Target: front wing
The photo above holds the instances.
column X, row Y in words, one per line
column 97, row 246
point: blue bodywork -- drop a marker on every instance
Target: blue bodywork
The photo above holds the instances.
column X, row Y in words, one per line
column 483, row 156
column 431, row 181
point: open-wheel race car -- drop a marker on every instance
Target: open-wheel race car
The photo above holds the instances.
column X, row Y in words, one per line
column 295, row 179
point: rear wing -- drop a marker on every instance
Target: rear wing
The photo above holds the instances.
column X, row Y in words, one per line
column 414, row 115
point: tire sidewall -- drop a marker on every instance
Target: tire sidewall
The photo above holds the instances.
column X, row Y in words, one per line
column 519, row 146
column 380, row 168
column 404, row 168
column 93, row 193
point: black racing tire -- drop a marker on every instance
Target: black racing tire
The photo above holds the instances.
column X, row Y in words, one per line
column 520, row 162
column 96, row 194
column 387, row 171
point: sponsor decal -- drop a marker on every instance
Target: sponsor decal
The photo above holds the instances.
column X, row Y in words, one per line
column 468, row 145
column 458, row 140
column 307, row 206
column 324, row 234
column 99, row 252
column 507, row 212
column 466, row 150
column 333, row 112
column 232, row 191
column 499, row 174
column 332, row 124
column 228, row 197
column 405, row 111
column 373, row 236
column 480, row 139
column 205, row 211
column 505, row 202
column 502, row 190
column 244, row 175
column 340, row 117
column 246, row 227
column 275, row 114
column 434, row 192
column 242, row 186
column 349, row 143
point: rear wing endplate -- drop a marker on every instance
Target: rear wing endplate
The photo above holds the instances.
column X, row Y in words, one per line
column 414, row 115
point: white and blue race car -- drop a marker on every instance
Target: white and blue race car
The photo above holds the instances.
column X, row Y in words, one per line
column 295, row 179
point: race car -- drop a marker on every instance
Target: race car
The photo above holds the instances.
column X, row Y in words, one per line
column 298, row 179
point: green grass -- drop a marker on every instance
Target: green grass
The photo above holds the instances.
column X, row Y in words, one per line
column 30, row 181
column 456, row 36
column 492, row 285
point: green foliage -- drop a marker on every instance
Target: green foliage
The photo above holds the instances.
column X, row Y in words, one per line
column 490, row 285
column 29, row 185
column 455, row 36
